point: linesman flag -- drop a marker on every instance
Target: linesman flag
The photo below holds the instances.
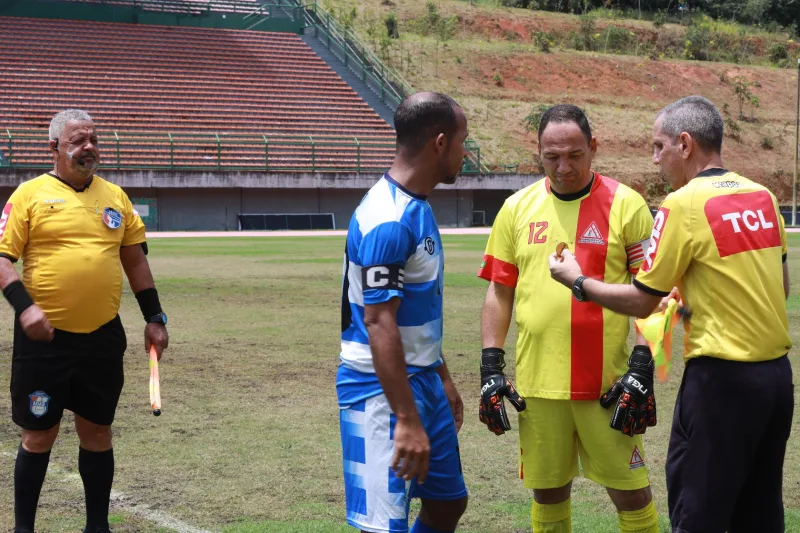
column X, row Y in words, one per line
column 657, row 331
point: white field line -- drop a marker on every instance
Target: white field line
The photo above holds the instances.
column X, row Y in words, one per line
column 120, row 501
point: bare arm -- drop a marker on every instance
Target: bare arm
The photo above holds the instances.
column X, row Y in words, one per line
column 33, row 320
column 411, row 444
column 8, row 274
column 786, row 283
column 389, row 357
column 444, row 373
column 496, row 315
column 624, row 299
column 136, row 267
column 453, row 397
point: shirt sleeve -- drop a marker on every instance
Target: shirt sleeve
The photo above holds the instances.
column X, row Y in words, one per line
column 499, row 261
column 669, row 252
column 383, row 253
column 14, row 225
column 134, row 227
column 784, row 244
column 637, row 234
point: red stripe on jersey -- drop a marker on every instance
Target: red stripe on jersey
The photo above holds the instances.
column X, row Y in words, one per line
column 587, row 317
column 493, row 269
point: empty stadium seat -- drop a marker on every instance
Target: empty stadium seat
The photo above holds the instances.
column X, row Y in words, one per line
column 184, row 97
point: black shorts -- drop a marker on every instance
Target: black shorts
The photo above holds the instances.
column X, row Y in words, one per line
column 726, row 451
column 81, row 372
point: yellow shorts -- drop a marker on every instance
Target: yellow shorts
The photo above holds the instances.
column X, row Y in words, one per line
column 554, row 433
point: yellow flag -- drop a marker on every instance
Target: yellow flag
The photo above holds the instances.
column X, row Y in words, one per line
column 657, row 331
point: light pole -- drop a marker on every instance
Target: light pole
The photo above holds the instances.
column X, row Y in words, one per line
column 796, row 149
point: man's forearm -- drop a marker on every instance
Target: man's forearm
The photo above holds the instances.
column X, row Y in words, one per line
column 389, row 360
column 496, row 315
column 136, row 267
column 443, row 371
column 623, row 299
column 8, row 274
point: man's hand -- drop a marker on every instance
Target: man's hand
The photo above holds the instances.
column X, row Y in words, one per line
column 633, row 394
column 456, row 405
column 35, row 324
column 495, row 385
column 156, row 334
column 412, row 449
column 662, row 305
column 564, row 268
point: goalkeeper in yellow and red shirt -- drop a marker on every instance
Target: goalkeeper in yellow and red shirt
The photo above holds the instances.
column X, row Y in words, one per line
column 569, row 351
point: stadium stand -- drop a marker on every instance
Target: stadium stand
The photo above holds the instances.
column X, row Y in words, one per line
column 181, row 6
column 167, row 97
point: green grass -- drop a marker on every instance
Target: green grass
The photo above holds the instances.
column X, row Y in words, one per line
column 249, row 438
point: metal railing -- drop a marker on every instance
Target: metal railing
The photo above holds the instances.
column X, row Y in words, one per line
column 356, row 55
column 384, row 80
column 220, row 152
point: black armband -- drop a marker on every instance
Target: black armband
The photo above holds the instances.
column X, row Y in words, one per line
column 148, row 302
column 17, row 296
column 492, row 361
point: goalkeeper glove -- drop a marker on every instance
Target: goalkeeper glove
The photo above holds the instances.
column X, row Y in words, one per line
column 495, row 385
column 633, row 394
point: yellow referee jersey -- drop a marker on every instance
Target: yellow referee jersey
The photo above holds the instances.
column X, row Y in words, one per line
column 721, row 240
column 69, row 243
column 567, row 349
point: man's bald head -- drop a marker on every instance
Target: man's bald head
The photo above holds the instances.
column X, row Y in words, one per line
column 423, row 116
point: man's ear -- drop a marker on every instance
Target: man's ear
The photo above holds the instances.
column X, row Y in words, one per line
column 441, row 143
column 593, row 146
column 687, row 145
column 54, row 145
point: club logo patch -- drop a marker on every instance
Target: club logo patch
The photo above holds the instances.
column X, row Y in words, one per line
column 40, row 403
column 637, row 461
column 430, row 245
column 592, row 235
column 112, row 218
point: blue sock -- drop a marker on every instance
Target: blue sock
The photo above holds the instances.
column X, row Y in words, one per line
column 419, row 527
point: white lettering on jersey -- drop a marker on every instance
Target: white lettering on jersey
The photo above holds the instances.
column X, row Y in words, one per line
column 752, row 221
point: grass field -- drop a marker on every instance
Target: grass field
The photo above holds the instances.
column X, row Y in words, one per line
column 249, row 438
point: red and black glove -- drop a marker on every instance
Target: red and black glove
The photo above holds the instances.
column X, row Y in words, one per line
column 495, row 385
column 633, row 394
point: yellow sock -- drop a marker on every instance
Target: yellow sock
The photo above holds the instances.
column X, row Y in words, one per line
column 556, row 518
column 641, row 521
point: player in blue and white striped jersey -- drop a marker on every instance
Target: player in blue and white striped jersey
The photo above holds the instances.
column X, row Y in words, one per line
column 399, row 410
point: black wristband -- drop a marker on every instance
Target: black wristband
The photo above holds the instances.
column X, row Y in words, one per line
column 148, row 302
column 492, row 361
column 17, row 296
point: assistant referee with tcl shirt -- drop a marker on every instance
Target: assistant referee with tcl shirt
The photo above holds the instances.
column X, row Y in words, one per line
column 72, row 230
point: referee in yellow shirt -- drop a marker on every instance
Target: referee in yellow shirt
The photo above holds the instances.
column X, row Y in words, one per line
column 720, row 238
column 72, row 230
column 569, row 351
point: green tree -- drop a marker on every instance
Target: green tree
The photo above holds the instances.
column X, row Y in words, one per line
column 742, row 89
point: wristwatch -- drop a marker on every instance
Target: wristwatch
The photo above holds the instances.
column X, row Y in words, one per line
column 577, row 289
column 160, row 318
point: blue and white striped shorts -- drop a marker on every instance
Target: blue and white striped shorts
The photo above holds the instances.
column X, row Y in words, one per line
column 377, row 500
